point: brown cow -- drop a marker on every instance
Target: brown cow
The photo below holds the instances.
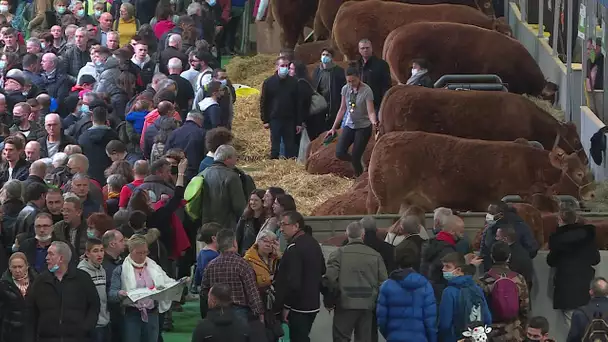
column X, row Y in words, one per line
column 327, row 10
column 352, row 202
column 310, row 53
column 374, row 20
column 486, row 115
column 432, row 170
column 292, row 16
column 321, row 159
column 452, row 48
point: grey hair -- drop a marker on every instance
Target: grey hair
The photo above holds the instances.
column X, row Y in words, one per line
column 165, row 83
column 70, row 195
column 410, row 224
column 354, row 230
column 369, row 223
column 365, row 41
column 116, row 181
column 265, row 233
column 175, row 39
column 13, row 189
column 108, row 237
column 174, row 63
column 193, row 8
column 224, row 152
column 440, row 216
column 135, row 241
column 113, row 33
column 60, row 159
column 159, row 76
column 80, row 176
column 53, row 57
column 74, row 3
column 64, row 250
column 195, row 115
column 34, row 40
column 82, row 29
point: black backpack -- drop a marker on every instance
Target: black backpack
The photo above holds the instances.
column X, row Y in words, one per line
column 597, row 329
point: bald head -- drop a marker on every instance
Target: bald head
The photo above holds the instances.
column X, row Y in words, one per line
column 599, row 287
column 454, row 225
column 38, row 168
column 32, row 151
column 175, row 40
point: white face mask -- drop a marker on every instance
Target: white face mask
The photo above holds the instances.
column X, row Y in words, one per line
column 489, row 218
column 414, row 72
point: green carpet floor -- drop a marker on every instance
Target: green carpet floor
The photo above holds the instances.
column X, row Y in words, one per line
column 184, row 323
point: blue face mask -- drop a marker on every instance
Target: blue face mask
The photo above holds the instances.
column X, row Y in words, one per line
column 43, row 45
column 80, row 13
column 224, row 82
column 15, row 248
column 61, row 10
column 91, row 234
column 97, row 13
column 54, row 268
column 84, row 108
column 283, row 71
column 211, row 2
column 325, row 59
column 448, row 275
column 2, row 64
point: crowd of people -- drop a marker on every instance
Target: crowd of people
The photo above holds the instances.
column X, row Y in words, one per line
column 118, row 158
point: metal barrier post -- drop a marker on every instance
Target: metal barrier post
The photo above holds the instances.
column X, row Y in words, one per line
column 555, row 33
column 245, row 28
column 523, row 8
column 541, row 18
column 604, row 40
column 585, row 54
column 569, row 59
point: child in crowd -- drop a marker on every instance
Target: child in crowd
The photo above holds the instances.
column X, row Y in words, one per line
column 136, row 117
column 462, row 302
column 209, row 252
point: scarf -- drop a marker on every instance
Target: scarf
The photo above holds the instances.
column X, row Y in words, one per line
column 22, row 284
column 157, row 276
column 416, row 78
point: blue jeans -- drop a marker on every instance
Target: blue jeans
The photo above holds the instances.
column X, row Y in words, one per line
column 138, row 331
column 101, row 334
column 283, row 130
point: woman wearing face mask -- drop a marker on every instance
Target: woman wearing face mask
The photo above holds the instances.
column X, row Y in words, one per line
column 420, row 74
column 357, row 110
column 98, row 224
column 14, row 286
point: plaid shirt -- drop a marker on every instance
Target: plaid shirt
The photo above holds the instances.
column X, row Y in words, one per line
column 229, row 268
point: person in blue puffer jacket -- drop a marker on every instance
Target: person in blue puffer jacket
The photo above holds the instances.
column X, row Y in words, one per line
column 406, row 309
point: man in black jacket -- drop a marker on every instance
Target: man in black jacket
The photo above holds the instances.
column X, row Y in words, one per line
column 597, row 308
column 63, row 303
column 280, row 111
column 14, row 166
column 573, row 252
column 374, row 72
column 298, row 279
column 56, row 82
column 174, row 49
column 94, row 141
column 36, row 247
column 520, row 260
column 35, row 196
column 221, row 322
column 54, row 141
column 328, row 80
column 190, row 137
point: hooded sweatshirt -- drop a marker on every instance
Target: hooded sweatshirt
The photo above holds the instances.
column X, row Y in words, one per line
column 98, row 275
column 93, row 142
column 212, row 113
column 162, row 27
column 406, row 308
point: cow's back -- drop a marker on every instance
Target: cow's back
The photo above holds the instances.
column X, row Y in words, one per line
column 453, row 48
column 486, row 115
column 374, row 20
column 432, row 170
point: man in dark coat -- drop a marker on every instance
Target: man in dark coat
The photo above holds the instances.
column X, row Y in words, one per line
column 328, row 80
column 56, row 82
column 374, row 72
column 14, row 165
column 573, row 253
column 597, row 305
column 173, row 50
column 506, row 216
column 520, row 260
column 221, row 322
column 35, row 196
column 93, row 142
column 190, row 138
column 54, row 141
column 62, row 304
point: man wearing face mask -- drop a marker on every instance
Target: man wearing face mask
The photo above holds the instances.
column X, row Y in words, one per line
column 64, row 286
column 35, row 248
column 328, row 80
column 73, row 227
column 506, row 215
column 279, row 110
column 420, row 76
column 21, row 123
column 538, row 330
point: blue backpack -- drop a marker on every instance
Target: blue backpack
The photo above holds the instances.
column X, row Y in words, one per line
column 470, row 309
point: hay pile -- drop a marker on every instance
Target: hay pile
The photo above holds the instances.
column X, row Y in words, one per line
column 253, row 143
column 555, row 111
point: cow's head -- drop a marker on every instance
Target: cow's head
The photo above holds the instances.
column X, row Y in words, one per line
column 478, row 334
column 575, row 180
column 502, row 26
column 571, row 142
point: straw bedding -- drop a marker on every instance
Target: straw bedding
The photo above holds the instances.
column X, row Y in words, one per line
column 253, row 143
